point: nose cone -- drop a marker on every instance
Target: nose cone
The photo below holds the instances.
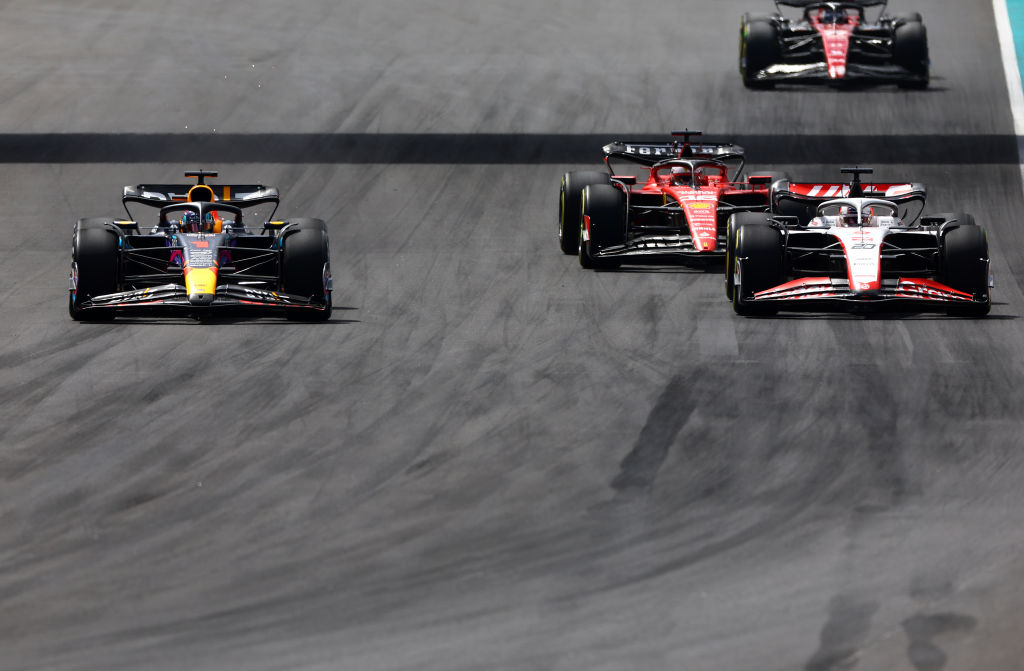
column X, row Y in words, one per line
column 201, row 284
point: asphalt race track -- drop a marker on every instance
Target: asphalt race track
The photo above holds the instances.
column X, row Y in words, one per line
column 490, row 458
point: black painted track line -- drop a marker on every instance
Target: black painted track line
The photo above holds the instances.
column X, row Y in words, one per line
column 490, row 148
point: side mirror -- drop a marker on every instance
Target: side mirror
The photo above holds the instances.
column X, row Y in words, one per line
column 628, row 180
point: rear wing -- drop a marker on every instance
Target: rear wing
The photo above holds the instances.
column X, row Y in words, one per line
column 800, row 199
column 239, row 195
column 845, row 3
column 830, row 191
column 649, row 153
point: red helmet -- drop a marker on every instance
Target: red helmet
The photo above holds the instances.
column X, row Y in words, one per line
column 681, row 175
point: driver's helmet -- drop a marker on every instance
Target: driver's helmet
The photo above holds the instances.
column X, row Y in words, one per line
column 190, row 222
column 847, row 215
column 681, row 176
column 867, row 216
column 833, row 15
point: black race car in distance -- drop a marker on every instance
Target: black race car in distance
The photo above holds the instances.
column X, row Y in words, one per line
column 846, row 42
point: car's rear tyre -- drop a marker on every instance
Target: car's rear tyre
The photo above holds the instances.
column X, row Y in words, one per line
column 570, row 199
column 759, row 260
column 759, row 49
column 306, row 267
column 966, row 268
column 907, row 17
column 604, row 206
column 95, row 262
column 910, row 51
column 735, row 221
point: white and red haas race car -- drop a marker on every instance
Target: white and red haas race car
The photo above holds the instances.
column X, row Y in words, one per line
column 856, row 248
column 677, row 211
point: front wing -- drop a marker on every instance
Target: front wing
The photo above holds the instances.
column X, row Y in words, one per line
column 856, row 73
column 658, row 248
column 825, row 293
column 172, row 299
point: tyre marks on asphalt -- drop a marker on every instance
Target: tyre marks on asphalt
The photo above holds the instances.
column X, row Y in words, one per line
column 844, row 633
column 640, row 467
column 921, row 630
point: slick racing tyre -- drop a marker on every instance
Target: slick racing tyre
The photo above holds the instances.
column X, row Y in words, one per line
column 306, row 267
column 966, row 268
column 604, row 206
column 570, row 199
column 759, row 49
column 759, row 261
column 94, row 269
column 735, row 221
column 910, row 51
column 907, row 17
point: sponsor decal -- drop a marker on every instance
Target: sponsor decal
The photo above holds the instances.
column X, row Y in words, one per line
column 697, row 196
column 200, row 280
column 200, row 258
column 643, row 150
column 261, row 295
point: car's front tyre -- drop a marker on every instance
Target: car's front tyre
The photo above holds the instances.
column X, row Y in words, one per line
column 305, row 268
column 758, row 264
column 759, row 49
column 570, row 201
column 602, row 225
column 735, row 222
column 966, row 268
column 910, row 51
column 94, row 269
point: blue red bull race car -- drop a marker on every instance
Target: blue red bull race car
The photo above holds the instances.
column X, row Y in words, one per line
column 199, row 256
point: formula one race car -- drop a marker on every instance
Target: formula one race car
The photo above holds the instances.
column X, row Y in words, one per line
column 199, row 257
column 856, row 247
column 834, row 42
column 679, row 212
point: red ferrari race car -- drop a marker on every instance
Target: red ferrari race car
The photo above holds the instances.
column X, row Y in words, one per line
column 856, row 248
column 198, row 257
column 678, row 212
column 835, row 43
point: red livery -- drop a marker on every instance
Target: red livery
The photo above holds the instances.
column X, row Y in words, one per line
column 677, row 210
column 856, row 247
column 836, row 43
